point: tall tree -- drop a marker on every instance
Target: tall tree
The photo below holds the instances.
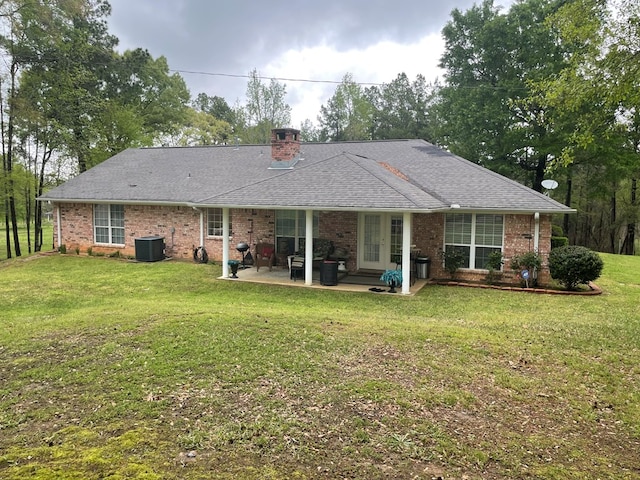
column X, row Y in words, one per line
column 265, row 109
column 215, row 106
column 69, row 94
column 21, row 21
column 401, row 108
column 348, row 114
column 488, row 110
column 598, row 93
column 201, row 128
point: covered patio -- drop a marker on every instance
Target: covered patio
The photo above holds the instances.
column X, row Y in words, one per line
column 354, row 282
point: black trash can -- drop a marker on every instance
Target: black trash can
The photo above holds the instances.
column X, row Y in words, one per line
column 329, row 273
column 422, row 267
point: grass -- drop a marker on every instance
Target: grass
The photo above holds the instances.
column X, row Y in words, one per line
column 47, row 235
column 115, row 369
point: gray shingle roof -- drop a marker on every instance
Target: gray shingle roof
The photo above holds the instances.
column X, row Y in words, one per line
column 381, row 175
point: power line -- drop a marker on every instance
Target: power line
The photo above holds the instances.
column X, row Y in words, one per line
column 280, row 79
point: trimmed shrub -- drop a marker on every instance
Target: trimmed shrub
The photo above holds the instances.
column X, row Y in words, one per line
column 556, row 231
column 557, row 242
column 573, row 265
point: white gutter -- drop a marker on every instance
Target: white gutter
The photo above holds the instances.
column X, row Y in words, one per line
column 198, row 205
column 536, row 234
column 59, row 224
column 201, row 225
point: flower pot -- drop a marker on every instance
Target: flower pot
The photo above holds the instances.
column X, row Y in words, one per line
column 233, row 264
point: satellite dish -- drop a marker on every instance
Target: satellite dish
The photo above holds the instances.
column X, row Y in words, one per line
column 549, row 184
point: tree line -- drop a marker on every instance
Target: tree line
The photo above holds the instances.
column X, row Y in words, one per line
column 546, row 89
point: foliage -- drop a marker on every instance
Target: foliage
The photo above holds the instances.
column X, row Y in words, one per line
column 67, row 94
column 494, row 265
column 309, row 132
column 265, row 109
column 154, row 360
column 531, row 261
column 573, row 265
column 559, row 242
column 202, row 128
column 487, row 111
column 347, row 114
column 597, row 95
column 401, row 109
column 214, row 106
column 392, row 277
column 453, row 259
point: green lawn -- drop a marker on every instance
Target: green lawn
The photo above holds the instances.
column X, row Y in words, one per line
column 120, row 370
column 47, row 236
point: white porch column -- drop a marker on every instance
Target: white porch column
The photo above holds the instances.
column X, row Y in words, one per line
column 407, row 228
column 225, row 242
column 308, row 247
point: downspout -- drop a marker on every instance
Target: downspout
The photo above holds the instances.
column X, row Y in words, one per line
column 406, row 253
column 225, row 242
column 59, row 224
column 536, row 232
column 201, row 225
column 536, row 239
column 308, row 248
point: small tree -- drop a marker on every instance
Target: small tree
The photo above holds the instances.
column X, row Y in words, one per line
column 494, row 265
column 453, row 259
column 529, row 261
column 574, row 265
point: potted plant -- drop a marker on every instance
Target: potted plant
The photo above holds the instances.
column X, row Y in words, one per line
column 234, row 267
column 393, row 278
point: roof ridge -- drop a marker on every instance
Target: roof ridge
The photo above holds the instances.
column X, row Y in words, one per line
column 380, row 177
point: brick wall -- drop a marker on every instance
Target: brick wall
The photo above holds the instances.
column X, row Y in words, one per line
column 519, row 230
column 180, row 226
column 342, row 229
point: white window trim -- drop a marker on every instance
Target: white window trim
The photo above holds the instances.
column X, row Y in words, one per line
column 472, row 246
column 109, row 227
column 221, row 223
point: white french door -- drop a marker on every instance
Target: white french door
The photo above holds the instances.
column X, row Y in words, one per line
column 380, row 240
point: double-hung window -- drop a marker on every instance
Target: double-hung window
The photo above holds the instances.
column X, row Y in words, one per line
column 214, row 222
column 291, row 229
column 475, row 235
column 108, row 224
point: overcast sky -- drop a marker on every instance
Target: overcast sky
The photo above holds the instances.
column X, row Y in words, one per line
column 374, row 40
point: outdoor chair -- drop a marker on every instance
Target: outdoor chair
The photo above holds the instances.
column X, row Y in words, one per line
column 265, row 255
column 297, row 268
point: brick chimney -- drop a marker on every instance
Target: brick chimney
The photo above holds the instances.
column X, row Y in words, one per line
column 285, row 144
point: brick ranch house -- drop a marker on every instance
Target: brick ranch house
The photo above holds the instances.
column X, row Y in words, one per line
column 373, row 201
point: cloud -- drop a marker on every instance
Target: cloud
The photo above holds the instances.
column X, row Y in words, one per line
column 375, row 40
